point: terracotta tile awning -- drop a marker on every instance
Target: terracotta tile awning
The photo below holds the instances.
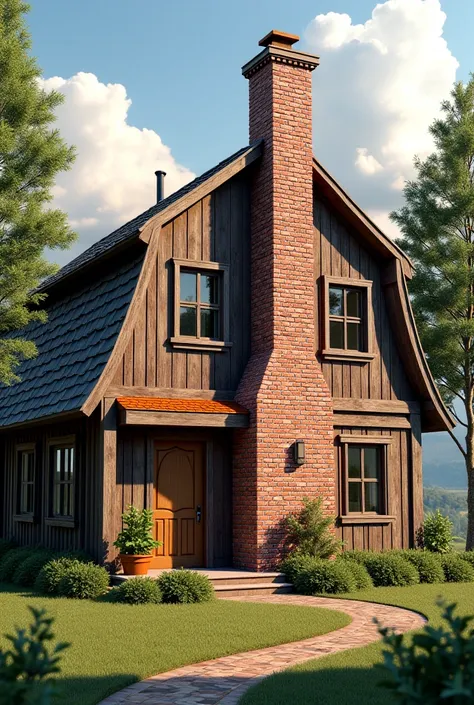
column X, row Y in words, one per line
column 181, row 412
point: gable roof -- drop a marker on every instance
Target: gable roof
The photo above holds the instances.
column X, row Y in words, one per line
column 83, row 328
column 131, row 229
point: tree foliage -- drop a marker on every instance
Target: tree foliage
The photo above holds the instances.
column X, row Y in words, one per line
column 31, row 155
column 437, row 222
column 309, row 532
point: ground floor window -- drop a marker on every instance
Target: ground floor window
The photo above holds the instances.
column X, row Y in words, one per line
column 26, row 460
column 63, row 471
column 364, row 472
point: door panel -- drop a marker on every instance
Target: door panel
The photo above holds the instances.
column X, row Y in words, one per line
column 179, row 491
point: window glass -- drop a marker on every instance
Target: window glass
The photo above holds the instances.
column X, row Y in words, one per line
column 208, row 323
column 336, row 301
column 371, row 464
column 188, row 321
column 355, row 496
column 353, row 336
column 353, row 303
column 209, row 289
column 336, row 334
column 354, row 461
column 371, row 497
column 188, row 286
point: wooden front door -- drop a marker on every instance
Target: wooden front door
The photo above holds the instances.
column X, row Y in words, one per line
column 179, row 504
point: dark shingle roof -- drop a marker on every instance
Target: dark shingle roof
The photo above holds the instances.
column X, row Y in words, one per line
column 74, row 346
column 129, row 230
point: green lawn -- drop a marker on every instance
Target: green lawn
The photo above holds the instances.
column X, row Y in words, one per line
column 350, row 677
column 115, row 645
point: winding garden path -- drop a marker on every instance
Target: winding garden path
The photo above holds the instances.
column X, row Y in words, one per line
column 224, row 680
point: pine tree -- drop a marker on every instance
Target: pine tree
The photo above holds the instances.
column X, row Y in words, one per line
column 437, row 222
column 31, row 154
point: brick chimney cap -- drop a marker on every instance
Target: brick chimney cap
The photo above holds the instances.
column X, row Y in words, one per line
column 277, row 38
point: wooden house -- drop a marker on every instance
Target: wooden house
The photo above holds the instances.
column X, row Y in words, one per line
column 245, row 342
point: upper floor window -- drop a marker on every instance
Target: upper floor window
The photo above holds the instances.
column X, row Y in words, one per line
column 63, row 471
column 347, row 319
column 26, row 471
column 201, row 315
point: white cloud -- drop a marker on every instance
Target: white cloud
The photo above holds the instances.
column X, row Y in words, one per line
column 378, row 88
column 112, row 179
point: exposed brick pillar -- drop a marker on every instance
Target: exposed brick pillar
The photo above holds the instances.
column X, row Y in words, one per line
column 283, row 386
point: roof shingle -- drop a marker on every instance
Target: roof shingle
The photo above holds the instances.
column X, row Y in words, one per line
column 199, row 406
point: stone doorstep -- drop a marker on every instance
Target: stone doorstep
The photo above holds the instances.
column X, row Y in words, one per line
column 226, row 576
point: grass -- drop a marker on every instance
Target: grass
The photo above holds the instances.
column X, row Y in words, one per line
column 350, row 676
column 115, row 645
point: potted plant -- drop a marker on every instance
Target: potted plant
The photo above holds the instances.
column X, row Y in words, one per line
column 135, row 541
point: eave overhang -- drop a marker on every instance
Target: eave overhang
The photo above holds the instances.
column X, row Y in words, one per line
column 152, row 411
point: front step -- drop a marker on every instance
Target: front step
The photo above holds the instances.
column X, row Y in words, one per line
column 248, row 589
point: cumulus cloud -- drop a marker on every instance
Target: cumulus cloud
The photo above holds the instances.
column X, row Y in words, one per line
column 113, row 178
column 378, row 88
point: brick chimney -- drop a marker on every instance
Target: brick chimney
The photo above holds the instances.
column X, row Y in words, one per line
column 282, row 386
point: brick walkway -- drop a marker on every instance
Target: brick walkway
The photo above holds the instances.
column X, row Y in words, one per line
column 224, row 680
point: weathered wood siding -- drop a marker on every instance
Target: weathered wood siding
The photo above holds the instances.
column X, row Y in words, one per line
column 135, row 481
column 87, row 532
column 339, row 253
column 405, row 492
column 214, row 229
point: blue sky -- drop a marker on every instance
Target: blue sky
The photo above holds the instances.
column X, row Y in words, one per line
column 375, row 93
column 180, row 61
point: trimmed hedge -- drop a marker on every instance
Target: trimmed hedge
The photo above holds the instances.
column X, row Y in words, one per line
column 358, row 556
column 468, row 556
column 50, row 575
column 391, row 569
column 456, row 570
column 294, row 564
column 325, row 577
column 184, row 586
column 360, row 573
column 6, row 545
column 11, row 560
column 27, row 571
column 428, row 565
column 83, row 581
column 137, row 591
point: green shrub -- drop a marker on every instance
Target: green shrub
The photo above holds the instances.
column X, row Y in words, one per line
column 428, row 565
column 324, row 576
column 6, row 545
column 83, row 581
column 27, row 572
column 27, row 666
column 309, row 533
column 137, row 591
column 185, row 586
column 457, row 570
column 11, row 560
column 136, row 536
column 388, row 569
column 359, row 572
column 48, row 578
column 294, row 563
column 468, row 556
column 433, row 665
column 436, row 534
column 358, row 556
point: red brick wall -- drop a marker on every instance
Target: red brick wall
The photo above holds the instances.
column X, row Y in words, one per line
column 283, row 386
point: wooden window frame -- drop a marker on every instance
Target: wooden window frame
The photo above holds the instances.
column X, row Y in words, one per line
column 69, row 521
column 185, row 342
column 366, row 319
column 19, row 516
column 346, row 517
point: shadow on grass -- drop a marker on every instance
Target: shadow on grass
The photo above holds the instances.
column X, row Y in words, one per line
column 327, row 686
column 89, row 691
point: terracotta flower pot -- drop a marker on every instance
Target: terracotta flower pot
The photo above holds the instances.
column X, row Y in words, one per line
column 135, row 564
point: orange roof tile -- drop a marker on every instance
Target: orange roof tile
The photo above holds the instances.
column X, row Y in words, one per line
column 200, row 406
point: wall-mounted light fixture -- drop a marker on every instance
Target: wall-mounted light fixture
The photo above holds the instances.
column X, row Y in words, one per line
column 299, row 452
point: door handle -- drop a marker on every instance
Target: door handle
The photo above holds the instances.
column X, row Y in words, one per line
column 198, row 513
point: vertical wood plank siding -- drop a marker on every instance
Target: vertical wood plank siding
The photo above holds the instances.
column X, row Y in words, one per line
column 339, row 253
column 214, row 229
column 87, row 532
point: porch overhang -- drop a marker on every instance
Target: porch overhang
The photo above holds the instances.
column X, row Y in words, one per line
column 152, row 411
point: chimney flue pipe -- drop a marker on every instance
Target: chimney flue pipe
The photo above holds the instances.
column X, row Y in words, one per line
column 160, row 185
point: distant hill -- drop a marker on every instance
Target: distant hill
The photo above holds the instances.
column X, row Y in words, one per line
column 451, row 475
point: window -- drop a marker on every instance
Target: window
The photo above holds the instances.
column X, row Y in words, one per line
column 26, row 489
column 201, row 299
column 364, row 469
column 347, row 319
column 63, row 467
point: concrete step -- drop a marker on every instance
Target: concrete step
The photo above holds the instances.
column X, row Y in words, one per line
column 248, row 589
column 246, row 578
